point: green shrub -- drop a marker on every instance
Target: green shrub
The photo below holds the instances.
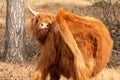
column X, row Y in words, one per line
column 98, row 4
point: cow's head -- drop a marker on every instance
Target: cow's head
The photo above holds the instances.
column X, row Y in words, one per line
column 42, row 24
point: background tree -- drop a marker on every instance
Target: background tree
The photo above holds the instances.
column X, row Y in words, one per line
column 14, row 39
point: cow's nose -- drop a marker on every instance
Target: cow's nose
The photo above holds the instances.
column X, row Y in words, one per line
column 44, row 25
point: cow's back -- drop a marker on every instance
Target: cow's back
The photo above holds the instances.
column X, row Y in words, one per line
column 93, row 40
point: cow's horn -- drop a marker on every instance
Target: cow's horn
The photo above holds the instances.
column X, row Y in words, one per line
column 32, row 11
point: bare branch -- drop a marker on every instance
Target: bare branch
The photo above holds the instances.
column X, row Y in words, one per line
column 116, row 51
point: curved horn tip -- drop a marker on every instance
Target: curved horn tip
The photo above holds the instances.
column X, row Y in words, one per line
column 32, row 11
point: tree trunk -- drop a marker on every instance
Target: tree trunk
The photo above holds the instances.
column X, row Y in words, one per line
column 14, row 39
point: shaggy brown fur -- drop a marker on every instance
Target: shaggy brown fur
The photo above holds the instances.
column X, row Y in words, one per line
column 74, row 46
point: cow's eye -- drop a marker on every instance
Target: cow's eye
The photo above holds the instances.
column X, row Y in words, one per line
column 44, row 25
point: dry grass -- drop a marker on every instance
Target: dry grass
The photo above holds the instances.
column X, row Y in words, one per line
column 9, row 71
column 40, row 2
column 109, row 74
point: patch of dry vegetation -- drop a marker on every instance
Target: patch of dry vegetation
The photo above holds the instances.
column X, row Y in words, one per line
column 9, row 71
column 109, row 74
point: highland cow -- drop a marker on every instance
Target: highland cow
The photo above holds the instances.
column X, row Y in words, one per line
column 73, row 46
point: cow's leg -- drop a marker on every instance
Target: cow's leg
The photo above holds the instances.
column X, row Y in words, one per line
column 54, row 74
column 71, row 78
column 43, row 67
column 72, row 75
column 69, row 72
column 37, row 75
column 40, row 74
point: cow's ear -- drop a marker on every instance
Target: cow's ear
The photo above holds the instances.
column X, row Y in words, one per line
column 34, row 21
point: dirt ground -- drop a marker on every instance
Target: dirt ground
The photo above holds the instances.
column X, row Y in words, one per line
column 24, row 71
